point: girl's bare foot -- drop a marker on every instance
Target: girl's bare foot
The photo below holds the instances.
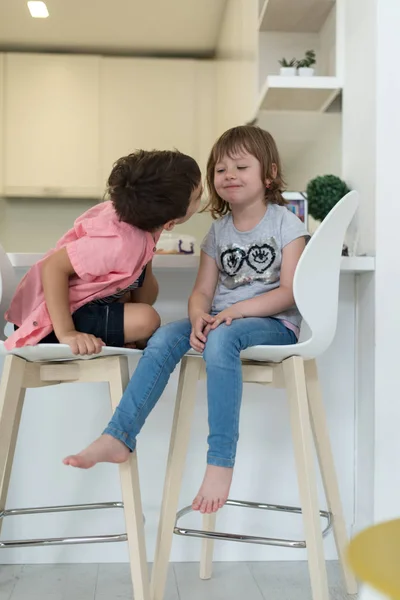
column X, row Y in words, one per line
column 105, row 449
column 214, row 490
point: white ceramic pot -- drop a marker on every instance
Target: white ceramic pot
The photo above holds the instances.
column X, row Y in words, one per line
column 288, row 71
column 306, row 72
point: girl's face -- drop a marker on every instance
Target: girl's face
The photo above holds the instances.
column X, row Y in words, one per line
column 237, row 179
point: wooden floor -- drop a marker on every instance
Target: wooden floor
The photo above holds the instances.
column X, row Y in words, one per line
column 231, row 581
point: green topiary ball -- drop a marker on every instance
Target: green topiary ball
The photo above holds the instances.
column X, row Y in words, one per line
column 323, row 193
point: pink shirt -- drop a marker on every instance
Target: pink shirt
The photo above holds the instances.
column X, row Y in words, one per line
column 107, row 255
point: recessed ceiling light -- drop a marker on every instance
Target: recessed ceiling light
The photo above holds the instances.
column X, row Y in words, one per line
column 38, row 10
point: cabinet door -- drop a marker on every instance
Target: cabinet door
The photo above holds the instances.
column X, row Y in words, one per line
column 146, row 103
column 51, row 125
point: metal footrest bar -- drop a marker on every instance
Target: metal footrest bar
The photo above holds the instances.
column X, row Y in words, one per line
column 93, row 539
column 251, row 539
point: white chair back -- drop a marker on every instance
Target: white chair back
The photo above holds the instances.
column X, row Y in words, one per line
column 316, row 281
column 8, row 285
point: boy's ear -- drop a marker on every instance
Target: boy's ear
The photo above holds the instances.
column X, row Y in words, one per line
column 169, row 226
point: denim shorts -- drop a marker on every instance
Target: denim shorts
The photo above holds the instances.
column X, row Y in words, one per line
column 105, row 321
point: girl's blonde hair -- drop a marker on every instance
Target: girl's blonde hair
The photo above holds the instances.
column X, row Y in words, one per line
column 260, row 144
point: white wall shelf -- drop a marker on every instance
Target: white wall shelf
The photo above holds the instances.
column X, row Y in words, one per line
column 294, row 15
column 298, row 93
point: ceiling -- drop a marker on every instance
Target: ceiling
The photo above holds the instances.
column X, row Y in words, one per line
column 136, row 27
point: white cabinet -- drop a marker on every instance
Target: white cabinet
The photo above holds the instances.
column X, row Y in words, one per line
column 51, row 130
column 1, row 121
column 67, row 118
column 146, row 103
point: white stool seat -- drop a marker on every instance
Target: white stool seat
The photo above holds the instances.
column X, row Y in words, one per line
column 272, row 354
column 62, row 352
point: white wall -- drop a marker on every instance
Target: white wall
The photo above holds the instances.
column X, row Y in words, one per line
column 309, row 143
column 359, row 169
column 35, row 225
column 359, row 113
column 387, row 406
column 327, row 57
column 236, row 55
column 321, row 156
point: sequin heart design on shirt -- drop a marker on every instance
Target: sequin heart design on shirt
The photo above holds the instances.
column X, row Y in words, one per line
column 232, row 260
column 259, row 258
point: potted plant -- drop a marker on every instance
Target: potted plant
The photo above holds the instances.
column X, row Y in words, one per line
column 305, row 66
column 323, row 193
column 288, row 67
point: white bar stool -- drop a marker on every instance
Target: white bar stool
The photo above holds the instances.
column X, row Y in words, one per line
column 51, row 364
column 316, row 289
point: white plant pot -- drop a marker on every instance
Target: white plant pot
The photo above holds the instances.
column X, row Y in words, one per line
column 288, row 71
column 306, row 71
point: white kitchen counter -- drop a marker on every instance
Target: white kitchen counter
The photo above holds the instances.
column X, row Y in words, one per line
column 63, row 419
column 354, row 264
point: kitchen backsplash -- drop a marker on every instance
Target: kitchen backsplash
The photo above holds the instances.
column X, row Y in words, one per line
column 34, row 224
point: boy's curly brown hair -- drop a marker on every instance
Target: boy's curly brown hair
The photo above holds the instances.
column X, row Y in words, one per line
column 150, row 188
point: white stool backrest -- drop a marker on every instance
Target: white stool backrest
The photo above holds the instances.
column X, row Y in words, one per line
column 8, row 284
column 316, row 281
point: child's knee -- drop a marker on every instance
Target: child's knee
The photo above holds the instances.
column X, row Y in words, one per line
column 140, row 322
column 221, row 346
column 151, row 319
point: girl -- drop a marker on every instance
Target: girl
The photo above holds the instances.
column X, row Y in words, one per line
column 96, row 287
column 243, row 296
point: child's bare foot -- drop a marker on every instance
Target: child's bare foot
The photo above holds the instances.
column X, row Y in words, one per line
column 105, row 449
column 214, row 490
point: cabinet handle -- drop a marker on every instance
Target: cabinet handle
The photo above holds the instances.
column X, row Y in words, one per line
column 52, row 191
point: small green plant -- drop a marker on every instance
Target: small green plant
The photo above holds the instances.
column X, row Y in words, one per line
column 308, row 61
column 323, row 193
column 287, row 63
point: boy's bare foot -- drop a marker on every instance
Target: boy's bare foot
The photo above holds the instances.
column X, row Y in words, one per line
column 214, row 490
column 105, row 449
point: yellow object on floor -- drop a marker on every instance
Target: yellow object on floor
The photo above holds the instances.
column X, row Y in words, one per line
column 374, row 556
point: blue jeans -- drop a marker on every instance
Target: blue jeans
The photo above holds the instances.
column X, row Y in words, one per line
column 224, row 379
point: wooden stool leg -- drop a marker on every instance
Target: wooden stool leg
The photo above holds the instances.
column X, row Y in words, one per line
column 207, row 547
column 327, row 467
column 12, row 396
column 184, row 406
column 118, row 380
column 293, row 369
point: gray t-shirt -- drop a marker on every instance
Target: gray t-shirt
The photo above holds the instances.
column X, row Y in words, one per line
column 249, row 262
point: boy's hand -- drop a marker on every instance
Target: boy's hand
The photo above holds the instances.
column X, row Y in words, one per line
column 200, row 328
column 225, row 316
column 82, row 343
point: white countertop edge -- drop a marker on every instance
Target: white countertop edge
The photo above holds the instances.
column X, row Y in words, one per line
column 352, row 264
column 24, row 260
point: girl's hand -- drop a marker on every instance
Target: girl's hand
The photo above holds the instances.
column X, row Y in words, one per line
column 82, row 343
column 200, row 328
column 225, row 316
